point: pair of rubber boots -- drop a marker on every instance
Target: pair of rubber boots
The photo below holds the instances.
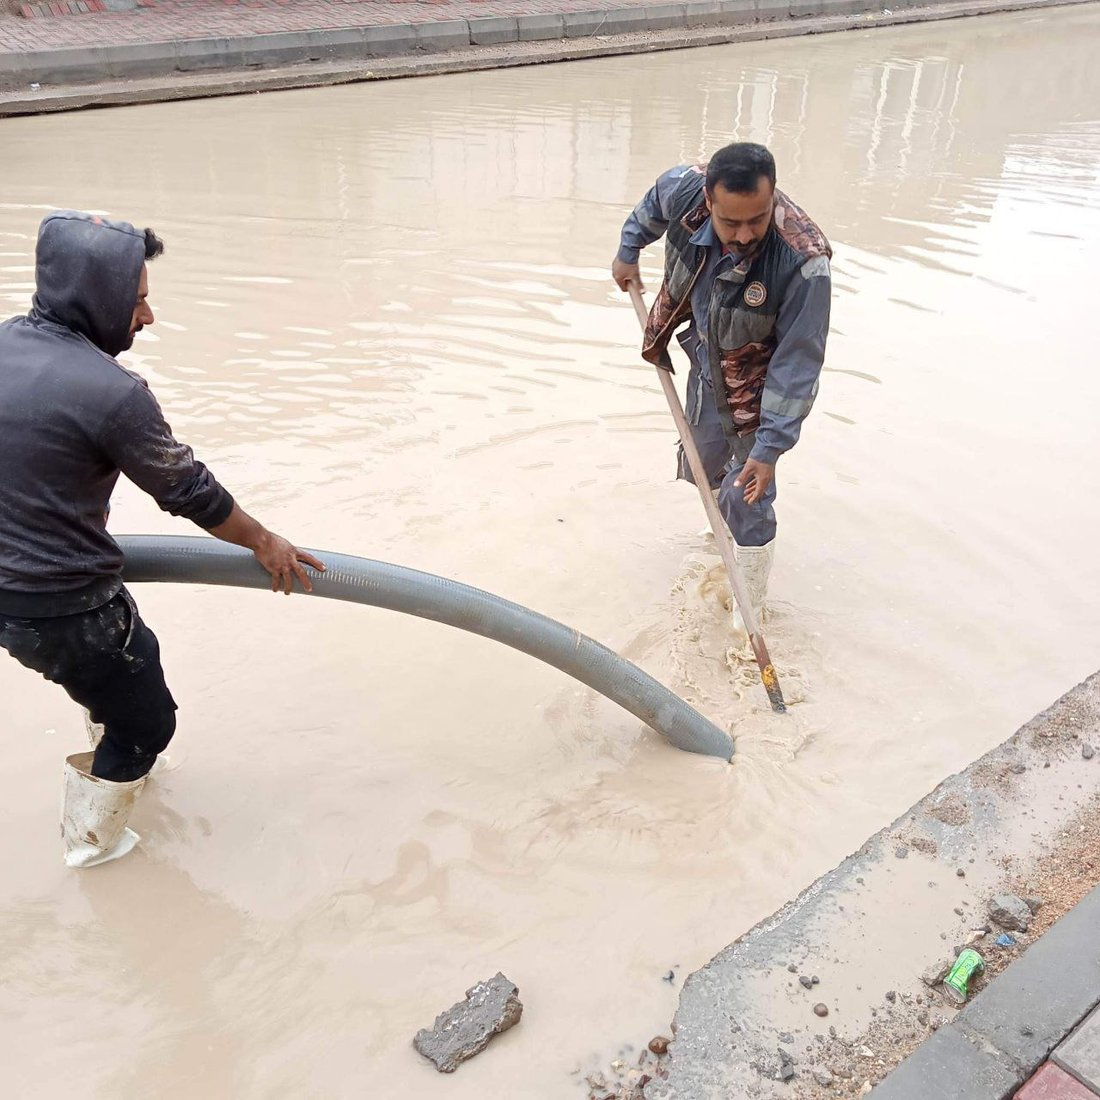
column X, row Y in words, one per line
column 94, row 811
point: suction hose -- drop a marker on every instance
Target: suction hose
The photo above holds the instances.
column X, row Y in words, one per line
column 378, row 584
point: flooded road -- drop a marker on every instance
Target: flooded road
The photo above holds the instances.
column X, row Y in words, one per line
column 386, row 322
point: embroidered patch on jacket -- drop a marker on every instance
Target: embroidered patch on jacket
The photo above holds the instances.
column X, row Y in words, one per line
column 756, row 294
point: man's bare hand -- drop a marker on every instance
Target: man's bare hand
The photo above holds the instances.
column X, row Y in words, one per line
column 626, row 273
column 755, row 477
column 284, row 561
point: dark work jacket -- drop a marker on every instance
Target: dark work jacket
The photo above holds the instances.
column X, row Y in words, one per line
column 72, row 418
column 763, row 319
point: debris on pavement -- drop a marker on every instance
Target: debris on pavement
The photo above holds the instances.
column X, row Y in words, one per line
column 465, row 1029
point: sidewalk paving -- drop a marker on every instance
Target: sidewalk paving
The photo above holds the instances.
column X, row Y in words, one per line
column 157, row 50
column 1032, row 1034
column 181, row 20
column 1073, row 1073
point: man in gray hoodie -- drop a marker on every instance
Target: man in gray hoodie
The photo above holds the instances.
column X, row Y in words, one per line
column 72, row 418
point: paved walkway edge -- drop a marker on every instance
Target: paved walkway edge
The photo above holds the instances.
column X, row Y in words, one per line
column 194, row 68
column 745, row 1027
column 1011, row 1027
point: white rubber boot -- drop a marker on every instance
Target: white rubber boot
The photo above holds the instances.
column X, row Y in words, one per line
column 95, row 729
column 756, row 567
column 94, row 813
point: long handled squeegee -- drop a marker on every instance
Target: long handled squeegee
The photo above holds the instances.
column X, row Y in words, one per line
column 717, row 523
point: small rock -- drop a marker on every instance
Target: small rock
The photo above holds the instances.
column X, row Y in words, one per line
column 823, row 1077
column 815, row 980
column 901, row 851
column 1010, row 912
column 1034, row 904
column 865, row 1089
column 961, row 873
column 821, row 1010
column 958, row 912
column 659, row 1044
column 786, row 1071
column 465, row 1028
column 805, row 982
column 1018, row 769
column 786, row 1037
column 922, row 1017
column 670, row 977
column 792, row 968
column 936, row 973
column 892, row 996
column 1087, row 751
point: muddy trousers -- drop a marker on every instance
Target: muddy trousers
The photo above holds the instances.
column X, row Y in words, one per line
column 108, row 661
column 750, row 524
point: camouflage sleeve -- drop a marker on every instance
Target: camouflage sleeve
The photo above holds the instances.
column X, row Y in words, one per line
column 649, row 219
column 795, row 368
column 139, row 442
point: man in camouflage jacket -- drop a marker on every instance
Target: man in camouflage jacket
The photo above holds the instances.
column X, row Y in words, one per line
column 747, row 273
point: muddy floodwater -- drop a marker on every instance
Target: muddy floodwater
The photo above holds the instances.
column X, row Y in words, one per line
column 386, row 322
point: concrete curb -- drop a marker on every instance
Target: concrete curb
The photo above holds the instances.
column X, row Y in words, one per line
column 746, row 1024
column 74, row 66
column 1011, row 1027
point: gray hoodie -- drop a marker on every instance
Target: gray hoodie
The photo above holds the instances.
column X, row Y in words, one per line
column 72, row 418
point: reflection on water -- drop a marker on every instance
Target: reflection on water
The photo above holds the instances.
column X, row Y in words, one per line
column 443, row 243
column 386, row 321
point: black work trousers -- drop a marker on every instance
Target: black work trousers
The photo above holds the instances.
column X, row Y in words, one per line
column 108, row 661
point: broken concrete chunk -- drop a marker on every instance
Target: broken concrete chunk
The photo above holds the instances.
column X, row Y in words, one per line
column 937, row 972
column 466, row 1028
column 1010, row 912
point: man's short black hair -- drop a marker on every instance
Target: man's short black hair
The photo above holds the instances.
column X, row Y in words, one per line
column 154, row 246
column 738, row 168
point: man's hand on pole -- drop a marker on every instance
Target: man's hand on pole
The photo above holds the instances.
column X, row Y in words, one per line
column 624, row 274
column 754, row 478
